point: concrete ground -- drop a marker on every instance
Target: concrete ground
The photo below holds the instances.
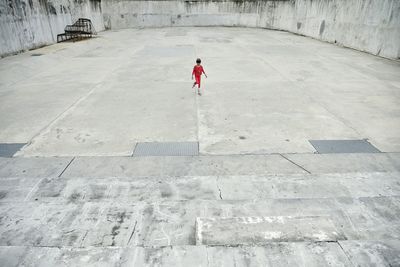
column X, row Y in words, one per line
column 258, row 194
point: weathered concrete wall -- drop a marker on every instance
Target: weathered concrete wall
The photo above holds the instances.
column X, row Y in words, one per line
column 367, row 25
column 27, row 24
column 137, row 13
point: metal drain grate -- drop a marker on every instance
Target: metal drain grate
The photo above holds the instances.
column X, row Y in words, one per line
column 167, row 149
column 8, row 150
column 343, row 146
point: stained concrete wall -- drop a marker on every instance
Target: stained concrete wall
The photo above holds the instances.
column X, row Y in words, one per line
column 367, row 25
column 27, row 24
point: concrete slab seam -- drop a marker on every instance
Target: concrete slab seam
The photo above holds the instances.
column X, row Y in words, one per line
column 270, row 65
column 197, row 104
column 345, row 253
column 291, row 161
column 60, row 116
column 29, row 77
column 66, row 167
column 275, row 153
column 197, row 119
column 208, row 257
column 34, row 189
column 83, row 239
column 266, row 244
column 133, row 232
column 134, row 148
column 339, row 118
column 318, row 102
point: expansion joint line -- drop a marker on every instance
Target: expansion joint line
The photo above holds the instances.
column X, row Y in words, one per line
column 36, row 186
column 291, row 161
column 47, row 128
column 83, row 238
column 133, row 231
column 66, row 167
column 345, row 253
column 208, row 257
column 196, row 99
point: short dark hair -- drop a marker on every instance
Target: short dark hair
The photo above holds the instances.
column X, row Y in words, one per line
column 198, row 60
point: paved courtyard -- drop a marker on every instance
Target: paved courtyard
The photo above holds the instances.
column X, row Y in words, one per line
column 257, row 190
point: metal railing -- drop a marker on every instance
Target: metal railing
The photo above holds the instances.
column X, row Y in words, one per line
column 81, row 29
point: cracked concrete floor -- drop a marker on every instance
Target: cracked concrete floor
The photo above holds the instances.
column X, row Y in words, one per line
column 257, row 195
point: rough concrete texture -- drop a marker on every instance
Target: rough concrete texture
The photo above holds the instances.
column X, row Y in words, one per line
column 74, row 195
column 260, row 230
column 318, row 254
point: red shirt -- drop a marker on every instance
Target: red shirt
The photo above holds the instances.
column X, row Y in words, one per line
column 197, row 70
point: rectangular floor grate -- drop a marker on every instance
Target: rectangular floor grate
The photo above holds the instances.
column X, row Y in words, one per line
column 8, row 150
column 167, row 149
column 343, row 146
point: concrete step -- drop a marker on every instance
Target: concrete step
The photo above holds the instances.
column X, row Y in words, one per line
column 234, row 231
column 153, row 189
column 308, row 254
column 32, row 168
column 229, row 165
column 144, row 210
column 285, row 254
column 166, row 223
column 232, row 165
